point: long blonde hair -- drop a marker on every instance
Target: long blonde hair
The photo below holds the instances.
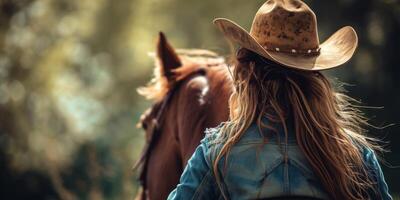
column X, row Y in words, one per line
column 327, row 126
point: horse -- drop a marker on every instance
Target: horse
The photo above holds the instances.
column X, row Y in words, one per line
column 190, row 91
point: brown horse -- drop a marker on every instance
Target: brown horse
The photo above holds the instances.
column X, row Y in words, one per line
column 190, row 91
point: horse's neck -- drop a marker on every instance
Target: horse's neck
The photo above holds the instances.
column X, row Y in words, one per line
column 202, row 103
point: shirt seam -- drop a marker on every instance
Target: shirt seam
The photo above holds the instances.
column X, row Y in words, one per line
column 197, row 192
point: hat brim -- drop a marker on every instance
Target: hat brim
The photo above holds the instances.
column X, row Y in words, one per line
column 335, row 51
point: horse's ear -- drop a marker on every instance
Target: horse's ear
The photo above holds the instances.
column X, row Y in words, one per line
column 169, row 60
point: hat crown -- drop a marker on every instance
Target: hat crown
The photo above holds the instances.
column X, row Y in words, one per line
column 286, row 25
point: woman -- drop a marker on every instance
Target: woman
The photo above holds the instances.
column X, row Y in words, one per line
column 290, row 135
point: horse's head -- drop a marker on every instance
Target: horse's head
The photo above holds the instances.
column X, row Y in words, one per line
column 190, row 92
column 167, row 61
column 172, row 68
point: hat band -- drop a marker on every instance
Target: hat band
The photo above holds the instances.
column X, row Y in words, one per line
column 311, row 52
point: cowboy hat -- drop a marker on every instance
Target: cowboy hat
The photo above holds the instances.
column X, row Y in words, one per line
column 285, row 31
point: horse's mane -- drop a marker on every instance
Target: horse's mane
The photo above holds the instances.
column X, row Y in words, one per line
column 192, row 59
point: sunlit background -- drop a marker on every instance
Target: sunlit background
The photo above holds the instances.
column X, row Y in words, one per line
column 69, row 70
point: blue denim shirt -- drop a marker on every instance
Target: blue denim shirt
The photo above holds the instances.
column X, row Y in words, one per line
column 255, row 170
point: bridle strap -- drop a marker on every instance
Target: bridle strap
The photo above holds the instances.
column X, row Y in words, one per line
column 155, row 133
column 155, row 126
column 144, row 157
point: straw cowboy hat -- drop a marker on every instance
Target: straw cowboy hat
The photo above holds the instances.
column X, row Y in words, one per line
column 285, row 31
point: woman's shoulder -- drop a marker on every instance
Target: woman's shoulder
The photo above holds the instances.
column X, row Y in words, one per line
column 369, row 157
column 375, row 171
column 366, row 150
column 212, row 142
column 212, row 135
column 215, row 136
column 213, row 131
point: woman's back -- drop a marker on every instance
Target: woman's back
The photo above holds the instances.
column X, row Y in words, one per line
column 261, row 166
